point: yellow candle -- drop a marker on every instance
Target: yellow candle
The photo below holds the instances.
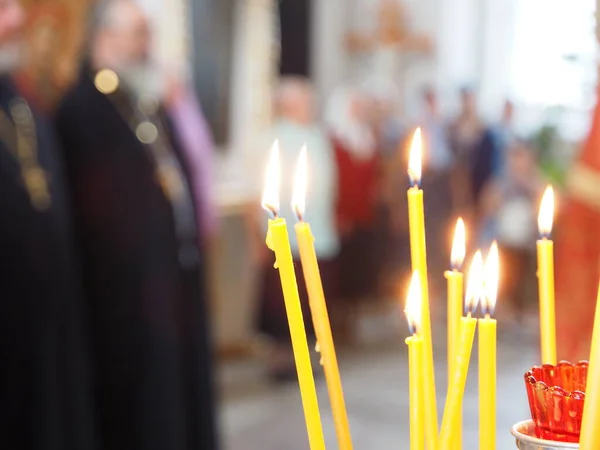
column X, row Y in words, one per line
column 487, row 354
column 415, row 385
column 278, row 241
column 456, row 385
column 416, row 219
column 415, row 365
column 589, row 439
column 318, row 308
column 455, row 310
column 545, row 258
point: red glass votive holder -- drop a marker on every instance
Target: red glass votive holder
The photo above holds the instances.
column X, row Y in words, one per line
column 556, row 395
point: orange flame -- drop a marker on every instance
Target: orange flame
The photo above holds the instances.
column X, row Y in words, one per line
column 270, row 198
column 546, row 214
column 413, row 303
column 492, row 275
column 459, row 245
column 300, row 181
column 415, row 157
column 475, row 290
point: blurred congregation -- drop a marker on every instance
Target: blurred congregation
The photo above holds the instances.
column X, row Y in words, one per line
column 358, row 153
column 133, row 142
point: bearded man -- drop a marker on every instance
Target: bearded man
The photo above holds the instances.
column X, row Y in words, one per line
column 44, row 381
column 142, row 262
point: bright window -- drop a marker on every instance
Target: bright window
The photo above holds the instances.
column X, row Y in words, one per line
column 554, row 54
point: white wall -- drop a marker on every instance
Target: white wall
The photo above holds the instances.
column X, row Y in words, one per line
column 497, row 37
column 451, row 24
column 172, row 32
column 329, row 61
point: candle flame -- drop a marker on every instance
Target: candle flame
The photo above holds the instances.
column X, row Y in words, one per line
column 415, row 156
column 459, row 245
column 413, row 303
column 475, row 290
column 299, row 194
column 270, row 198
column 546, row 214
column 492, row 275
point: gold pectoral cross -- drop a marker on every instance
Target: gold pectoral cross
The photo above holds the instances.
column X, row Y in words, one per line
column 170, row 182
column 37, row 182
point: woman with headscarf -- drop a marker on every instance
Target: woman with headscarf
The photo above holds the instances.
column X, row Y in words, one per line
column 357, row 162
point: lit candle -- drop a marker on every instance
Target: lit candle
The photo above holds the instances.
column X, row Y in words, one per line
column 589, row 438
column 455, row 309
column 545, row 258
column 318, row 308
column 415, row 364
column 278, row 241
column 487, row 354
column 456, row 385
column 416, row 220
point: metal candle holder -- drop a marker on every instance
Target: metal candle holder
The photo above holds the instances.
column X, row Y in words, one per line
column 526, row 440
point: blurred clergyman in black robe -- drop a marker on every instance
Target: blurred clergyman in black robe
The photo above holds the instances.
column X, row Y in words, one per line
column 44, row 384
column 142, row 264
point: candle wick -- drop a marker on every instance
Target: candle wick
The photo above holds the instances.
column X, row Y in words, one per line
column 468, row 314
column 487, row 316
column 412, row 326
column 272, row 211
column 299, row 214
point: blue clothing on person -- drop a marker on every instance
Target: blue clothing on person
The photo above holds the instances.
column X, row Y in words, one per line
column 503, row 138
column 439, row 155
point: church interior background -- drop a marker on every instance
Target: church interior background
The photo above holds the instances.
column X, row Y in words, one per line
column 539, row 53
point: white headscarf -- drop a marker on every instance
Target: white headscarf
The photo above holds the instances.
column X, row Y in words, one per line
column 11, row 56
column 356, row 136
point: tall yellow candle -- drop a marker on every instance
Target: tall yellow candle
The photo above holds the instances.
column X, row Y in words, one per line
column 458, row 381
column 416, row 220
column 278, row 241
column 545, row 261
column 318, row 308
column 589, row 439
column 415, row 365
column 455, row 309
column 487, row 354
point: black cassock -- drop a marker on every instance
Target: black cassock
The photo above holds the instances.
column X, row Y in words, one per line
column 143, row 277
column 44, row 382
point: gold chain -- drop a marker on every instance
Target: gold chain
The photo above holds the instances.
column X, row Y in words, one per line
column 149, row 130
column 21, row 132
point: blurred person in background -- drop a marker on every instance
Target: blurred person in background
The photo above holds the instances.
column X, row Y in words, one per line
column 578, row 250
column 504, row 135
column 386, row 115
column 136, row 217
column 191, row 127
column 390, row 131
column 348, row 120
column 465, row 133
column 46, row 71
column 509, row 213
column 293, row 128
column 467, row 128
column 45, row 400
column 438, row 164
